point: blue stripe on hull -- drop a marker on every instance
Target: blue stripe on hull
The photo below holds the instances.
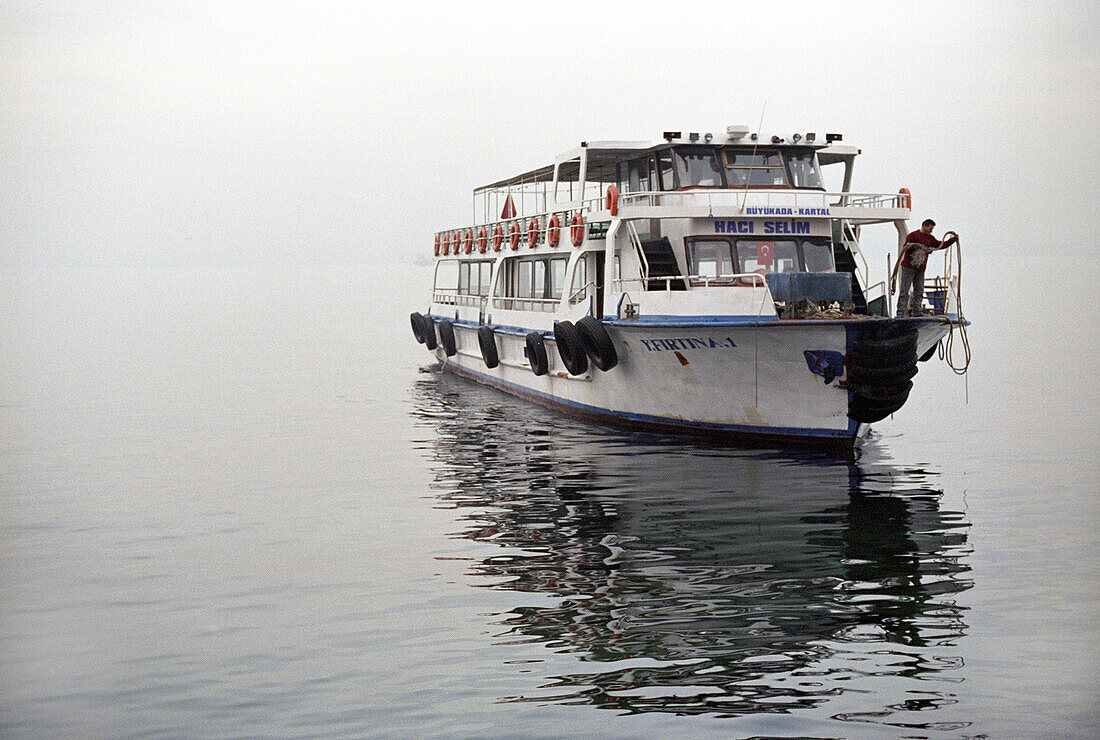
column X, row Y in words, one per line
column 840, row 438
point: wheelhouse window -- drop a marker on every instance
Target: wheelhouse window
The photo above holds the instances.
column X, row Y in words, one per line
column 639, row 176
column 665, row 170
column 762, row 168
column 710, row 258
column 817, row 256
column 767, row 256
column 804, row 171
column 787, row 255
column 697, row 166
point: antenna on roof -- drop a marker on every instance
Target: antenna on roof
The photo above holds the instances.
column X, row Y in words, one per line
column 755, row 143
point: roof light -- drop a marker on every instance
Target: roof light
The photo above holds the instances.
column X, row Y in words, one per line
column 796, row 138
column 736, row 132
column 810, row 137
column 693, row 137
column 830, row 138
column 708, row 137
column 670, row 135
column 777, row 140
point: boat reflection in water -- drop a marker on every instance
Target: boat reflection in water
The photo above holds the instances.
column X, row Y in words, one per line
column 708, row 580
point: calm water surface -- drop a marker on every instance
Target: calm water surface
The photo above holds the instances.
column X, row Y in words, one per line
column 239, row 502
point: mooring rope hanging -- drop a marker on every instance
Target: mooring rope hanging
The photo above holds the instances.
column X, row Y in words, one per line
column 947, row 349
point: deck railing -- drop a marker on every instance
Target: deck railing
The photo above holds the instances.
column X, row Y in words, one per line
column 478, row 238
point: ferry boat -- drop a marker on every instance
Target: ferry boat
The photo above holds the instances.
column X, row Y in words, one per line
column 700, row 283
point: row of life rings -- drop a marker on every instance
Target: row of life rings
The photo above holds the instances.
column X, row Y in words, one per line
column 467, row 241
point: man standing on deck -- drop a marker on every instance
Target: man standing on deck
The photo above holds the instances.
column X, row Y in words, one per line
column 914, row 259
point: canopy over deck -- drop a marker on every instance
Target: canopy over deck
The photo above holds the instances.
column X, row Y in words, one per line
column 603, row 157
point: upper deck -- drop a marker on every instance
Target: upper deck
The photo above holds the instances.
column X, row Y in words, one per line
column 693, row 176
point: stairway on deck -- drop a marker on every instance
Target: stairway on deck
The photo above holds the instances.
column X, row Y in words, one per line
column 662, row 265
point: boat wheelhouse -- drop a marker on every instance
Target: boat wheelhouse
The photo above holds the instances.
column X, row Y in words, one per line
column 693, row 283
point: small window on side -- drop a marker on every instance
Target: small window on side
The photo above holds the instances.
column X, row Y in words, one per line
column 710, row 258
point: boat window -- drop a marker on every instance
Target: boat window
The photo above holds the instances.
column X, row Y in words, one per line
column 818, row 256
column 557, row 277
column 538, row 279
column 523, row 279
column 534, row 277
column 762, row 169
column 446, row 276
column 767, row 256
column 804, row 171
column 580, row 281
column 473, row 278
column 710, row 257
column 664, row 169
column 639, row 176
column 697, row 166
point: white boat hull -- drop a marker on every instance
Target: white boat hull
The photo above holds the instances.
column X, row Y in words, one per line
column 746, row 381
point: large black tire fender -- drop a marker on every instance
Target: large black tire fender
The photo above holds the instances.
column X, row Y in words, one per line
column 570, row 347
column 878, row 375
column 488, row 343
column 417, row 326
column 889, row 345
column 597, row 343
column 868, row 414
column 883, row 359
column 883, row 395
column 428, row 325
column 447, row 338
column 536, row 353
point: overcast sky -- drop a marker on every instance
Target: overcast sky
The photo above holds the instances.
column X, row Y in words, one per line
column 137, row 133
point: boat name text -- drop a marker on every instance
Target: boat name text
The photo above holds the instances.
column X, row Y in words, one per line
column 768, row 227
column 664, row 345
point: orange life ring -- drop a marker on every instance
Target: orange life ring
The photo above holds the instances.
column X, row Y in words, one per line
column 513, row 235
column 553, row 231
column 612, row 200
column 437, row 240
column 576, row 229
column 482, row 240
column 533, row 232
column 456, row 242
column 468, row 241
column 905, row 200
column 498, row 237
column 446, row 243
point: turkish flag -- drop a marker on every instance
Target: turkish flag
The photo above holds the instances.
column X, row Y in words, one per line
column 765, row 254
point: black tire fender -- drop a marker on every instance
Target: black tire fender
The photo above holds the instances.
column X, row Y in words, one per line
column 883, row 395
column 447, row 338
column 570, row 347
column 857, row 374
column 428, row 329
column 885, row 359
column 536, row 353
column 417, row 326
column 597, row 343
column 486, row 339
column 888, row 345
column 869, row 414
